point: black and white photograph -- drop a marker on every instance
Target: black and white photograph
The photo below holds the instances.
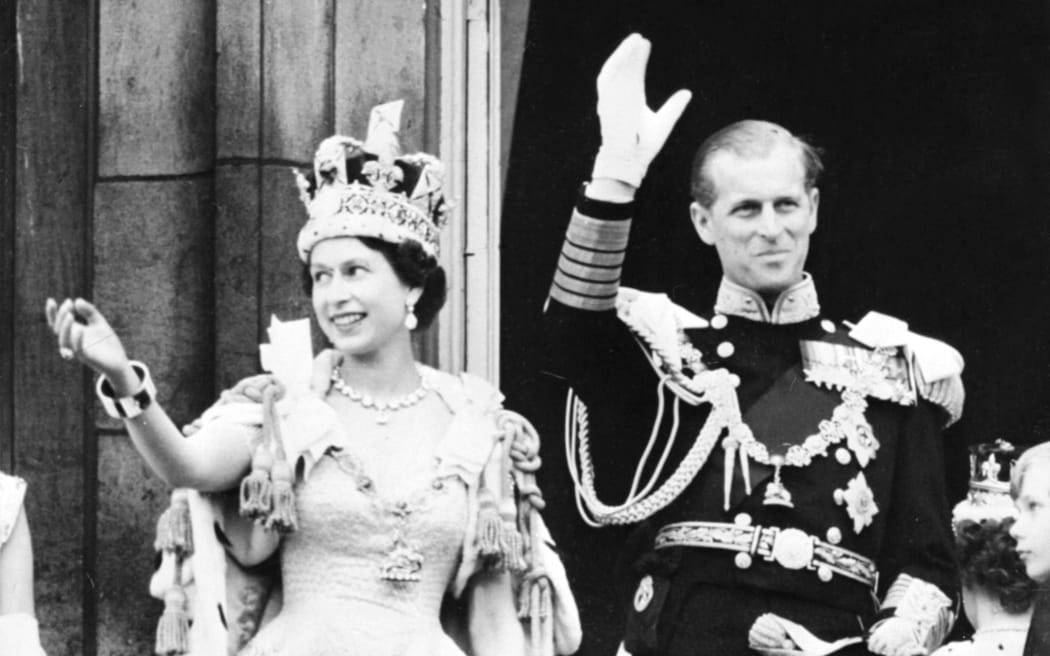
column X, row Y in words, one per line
column 524, row 328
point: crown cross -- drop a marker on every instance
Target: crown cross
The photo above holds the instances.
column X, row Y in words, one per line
column 990, row 468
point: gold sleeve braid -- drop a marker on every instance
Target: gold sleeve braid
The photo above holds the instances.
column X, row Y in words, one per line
column 588, row 275
column 922, row 602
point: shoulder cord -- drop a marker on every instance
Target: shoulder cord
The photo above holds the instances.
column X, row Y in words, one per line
column 714, row 386
column 634, row 495
column 577, row 439
column 724, row 415
column 576, row 415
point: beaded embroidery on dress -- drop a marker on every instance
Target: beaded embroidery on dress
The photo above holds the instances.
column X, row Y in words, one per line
column 339, row 594
column 371, row 561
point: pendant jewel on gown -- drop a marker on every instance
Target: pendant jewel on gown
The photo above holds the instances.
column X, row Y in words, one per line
column 403, row 564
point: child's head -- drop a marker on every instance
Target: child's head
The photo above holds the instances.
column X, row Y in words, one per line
column 1030, row 488
column 988, row 563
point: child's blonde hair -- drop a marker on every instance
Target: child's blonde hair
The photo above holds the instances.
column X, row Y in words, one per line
column 1035, row 454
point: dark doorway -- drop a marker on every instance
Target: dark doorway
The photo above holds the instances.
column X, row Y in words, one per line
column 935, row 209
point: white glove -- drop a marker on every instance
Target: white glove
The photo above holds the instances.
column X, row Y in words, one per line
column 767, row 633
column 895, row 636
column 632, row 134
column 773, row 634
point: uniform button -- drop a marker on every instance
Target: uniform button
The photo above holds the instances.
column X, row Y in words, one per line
column 834, row 535
column 644, row 594
column 742, row 560
column 719, row 321
column 828, row 325
column 824, row 573
column 842, row 455
column 743, row 519
column 725, row 350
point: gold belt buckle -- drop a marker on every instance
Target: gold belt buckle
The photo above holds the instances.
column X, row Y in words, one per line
column 793, row 549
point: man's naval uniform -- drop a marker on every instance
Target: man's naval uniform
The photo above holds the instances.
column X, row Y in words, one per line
column 859, row 506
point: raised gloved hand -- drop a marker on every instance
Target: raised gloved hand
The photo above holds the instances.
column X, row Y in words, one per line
column 895, row 636
column 632, row 134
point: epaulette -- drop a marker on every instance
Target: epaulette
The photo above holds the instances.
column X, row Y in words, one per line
column 837, row 366
column 916, row 366
column 657, row 321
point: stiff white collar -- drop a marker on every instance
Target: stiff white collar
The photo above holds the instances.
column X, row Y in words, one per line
column 795, row 304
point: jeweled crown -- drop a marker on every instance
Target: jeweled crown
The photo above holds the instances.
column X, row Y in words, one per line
column 989, row 494
column 367, row 189
column 990, row 466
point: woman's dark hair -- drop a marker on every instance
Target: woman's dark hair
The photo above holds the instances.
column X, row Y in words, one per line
column 988, row 559
column 414, row 268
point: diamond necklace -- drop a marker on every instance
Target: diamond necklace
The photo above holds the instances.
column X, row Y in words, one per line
column 384, row 409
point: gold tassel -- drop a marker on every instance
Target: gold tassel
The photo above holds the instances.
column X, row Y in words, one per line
column 541, row 620
column 513, row 549
column 525, row 600
column 174, row 531
column 283, row 517
column 535, row 626
column 173, row 630
column 490, row 531
column 545, row 597
column 256, row 487
column 536, row 593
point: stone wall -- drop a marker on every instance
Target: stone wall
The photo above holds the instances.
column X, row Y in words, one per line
column 147, row 147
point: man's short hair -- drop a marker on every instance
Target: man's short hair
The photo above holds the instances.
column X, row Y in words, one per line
column 1035, row 454
column 749, row 139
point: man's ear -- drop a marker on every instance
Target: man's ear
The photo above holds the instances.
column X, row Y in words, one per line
column 701, row 218
column 814, row 203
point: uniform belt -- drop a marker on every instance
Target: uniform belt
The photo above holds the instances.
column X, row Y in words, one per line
column 790, row 548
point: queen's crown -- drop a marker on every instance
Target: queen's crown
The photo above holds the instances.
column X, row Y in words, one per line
column 368, row 189
column 989, row 494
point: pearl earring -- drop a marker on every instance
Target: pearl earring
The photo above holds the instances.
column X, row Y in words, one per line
column 410, row 318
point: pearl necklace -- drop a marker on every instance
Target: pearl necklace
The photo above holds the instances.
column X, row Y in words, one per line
column 384, row 409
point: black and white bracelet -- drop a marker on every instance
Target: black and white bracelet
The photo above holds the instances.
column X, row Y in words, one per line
column 127, row 407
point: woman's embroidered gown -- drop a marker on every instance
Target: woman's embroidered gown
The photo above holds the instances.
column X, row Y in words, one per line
column 369, row 565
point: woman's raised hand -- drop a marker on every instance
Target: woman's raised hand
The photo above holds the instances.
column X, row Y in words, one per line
column 85, row 334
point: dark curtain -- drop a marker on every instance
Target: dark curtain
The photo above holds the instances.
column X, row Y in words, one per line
column 935, row 208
